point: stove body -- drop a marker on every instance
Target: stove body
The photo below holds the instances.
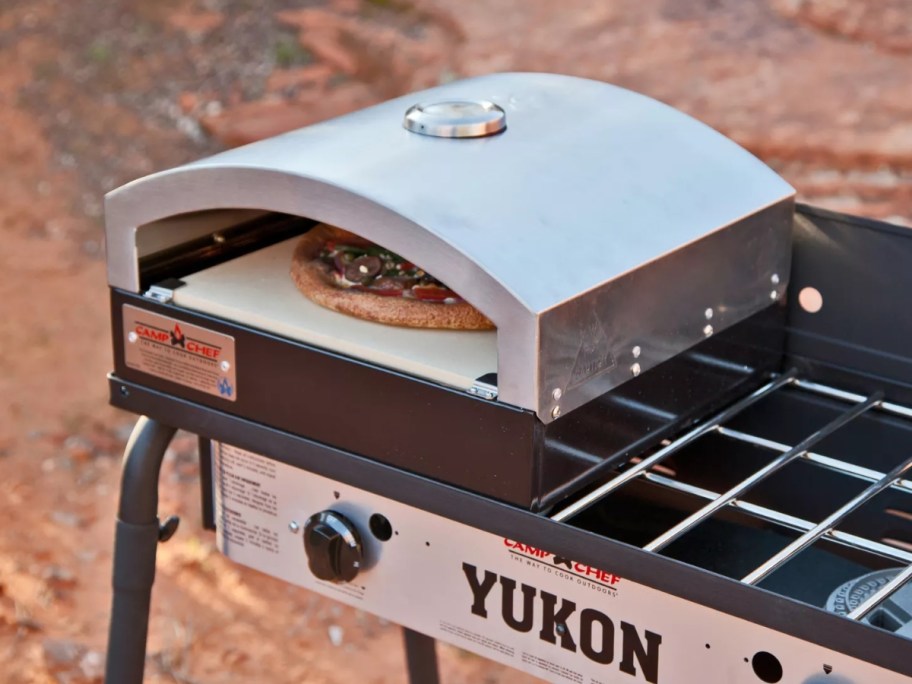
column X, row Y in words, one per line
column 545, row 506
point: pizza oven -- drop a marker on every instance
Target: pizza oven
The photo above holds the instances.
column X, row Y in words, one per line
column 602, row 232
column 680, row 454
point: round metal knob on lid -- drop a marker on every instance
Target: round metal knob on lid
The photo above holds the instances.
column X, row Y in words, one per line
column 456, row 119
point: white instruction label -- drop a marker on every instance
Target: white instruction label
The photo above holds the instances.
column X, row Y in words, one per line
column 245, row 500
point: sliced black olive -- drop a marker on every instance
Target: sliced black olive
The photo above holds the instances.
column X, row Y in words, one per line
column 362, row 268
column 341, row 260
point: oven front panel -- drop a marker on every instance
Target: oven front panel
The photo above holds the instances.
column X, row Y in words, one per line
column 504, row 599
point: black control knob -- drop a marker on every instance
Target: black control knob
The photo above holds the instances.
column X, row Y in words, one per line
column 333, row 547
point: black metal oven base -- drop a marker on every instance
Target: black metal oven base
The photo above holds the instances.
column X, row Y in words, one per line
column 485, row 446
column 775, row 612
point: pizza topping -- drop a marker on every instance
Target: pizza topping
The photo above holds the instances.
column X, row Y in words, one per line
column 362, row 265
column 432, row 293
column 363, row 268
column 386, row 287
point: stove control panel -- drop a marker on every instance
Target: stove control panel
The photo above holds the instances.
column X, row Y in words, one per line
column 503, row 598
column 333, row 547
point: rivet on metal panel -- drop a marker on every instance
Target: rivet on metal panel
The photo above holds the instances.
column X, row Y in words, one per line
column 774, row 279
column 555, row 412
column 635, row 369
column 636, row 351
column 132, row 337
column 556, row 393
column 294, row 526
column 708, row 330
column 225, row 366
column 774, row 295
column 708, row 313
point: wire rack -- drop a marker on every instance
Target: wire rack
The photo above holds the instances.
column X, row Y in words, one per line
column 650, row 469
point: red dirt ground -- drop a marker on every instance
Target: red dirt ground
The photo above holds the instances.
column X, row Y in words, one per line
column 98, row 92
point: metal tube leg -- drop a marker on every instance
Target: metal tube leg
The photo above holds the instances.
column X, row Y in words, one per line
column 135, row 542
column 420, row 657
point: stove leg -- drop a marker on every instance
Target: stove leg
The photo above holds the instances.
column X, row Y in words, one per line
column 136, row 539
column 420, row 657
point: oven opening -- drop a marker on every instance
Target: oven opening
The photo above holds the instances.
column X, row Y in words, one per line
column 237, row 264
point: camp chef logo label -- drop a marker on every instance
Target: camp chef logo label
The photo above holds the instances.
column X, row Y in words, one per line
column 563, row 624
column 180, row 352
column 564, row 568
column 178, row 339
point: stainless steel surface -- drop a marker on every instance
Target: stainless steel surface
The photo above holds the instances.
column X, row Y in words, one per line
column 843, row 395
column 632, row 181
column 643, row 466
column 789, row 521
column 460, row 584
column 456, row 119
column 160, row 294
column 826, row 524
column 759, row 475
column 483, row 390
column 885, row 592
column 851, row 469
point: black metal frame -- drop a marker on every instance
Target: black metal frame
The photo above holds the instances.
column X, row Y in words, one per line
column 136, row 540
column 679, row 579
column 858, row 358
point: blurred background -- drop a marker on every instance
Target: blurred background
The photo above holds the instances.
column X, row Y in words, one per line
column 94, row 93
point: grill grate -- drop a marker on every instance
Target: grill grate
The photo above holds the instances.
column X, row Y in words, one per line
column 654, row 470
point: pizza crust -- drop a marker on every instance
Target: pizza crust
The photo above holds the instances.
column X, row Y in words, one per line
column 313, row 279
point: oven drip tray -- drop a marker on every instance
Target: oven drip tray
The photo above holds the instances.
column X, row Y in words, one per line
column 799, row 488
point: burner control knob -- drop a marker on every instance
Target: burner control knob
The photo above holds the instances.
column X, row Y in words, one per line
column 333, row 547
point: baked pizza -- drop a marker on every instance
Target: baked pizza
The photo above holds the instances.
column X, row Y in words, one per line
column 346, row 273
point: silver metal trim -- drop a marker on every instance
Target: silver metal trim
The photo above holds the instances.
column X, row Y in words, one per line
column 827, row 462
column 759, row 475
column 656, row 458
column 162, row 295
column 826, row 524
column 483, row 390
column 790, row 521
column 882, row 594
column 455, row 119
column 852, row 397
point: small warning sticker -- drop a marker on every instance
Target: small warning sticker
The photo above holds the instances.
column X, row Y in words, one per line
column 180, row 352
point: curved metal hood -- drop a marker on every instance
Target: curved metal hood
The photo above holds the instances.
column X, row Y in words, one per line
column 543, row 227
